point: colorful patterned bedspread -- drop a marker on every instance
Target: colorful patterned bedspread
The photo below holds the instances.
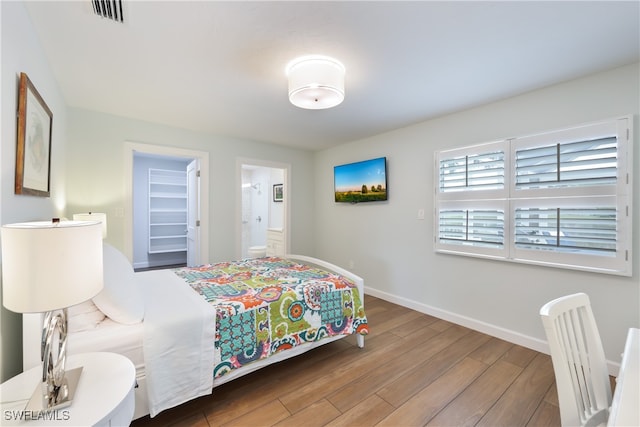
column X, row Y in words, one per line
column 266, row 305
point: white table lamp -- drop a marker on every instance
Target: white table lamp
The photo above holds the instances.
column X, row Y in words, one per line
column 47, row 267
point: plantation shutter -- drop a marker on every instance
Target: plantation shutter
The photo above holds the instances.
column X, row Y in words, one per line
column 578, row 163
column 484, row 228
column 472, row 172
column 586, row 230
column 560, row 198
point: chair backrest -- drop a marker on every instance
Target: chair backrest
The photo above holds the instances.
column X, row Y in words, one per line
column 582, row 378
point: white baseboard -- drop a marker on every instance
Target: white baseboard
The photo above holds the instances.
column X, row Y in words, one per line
column 486, row 328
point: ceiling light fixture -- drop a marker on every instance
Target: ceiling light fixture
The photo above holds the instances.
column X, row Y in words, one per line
column 315, row 82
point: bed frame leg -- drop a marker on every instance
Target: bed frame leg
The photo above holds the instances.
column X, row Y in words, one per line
column 360, row 340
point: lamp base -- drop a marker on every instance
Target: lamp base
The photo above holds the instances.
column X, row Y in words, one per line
column 42, row 401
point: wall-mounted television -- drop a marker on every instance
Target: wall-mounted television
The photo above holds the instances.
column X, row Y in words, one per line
column 358, row 182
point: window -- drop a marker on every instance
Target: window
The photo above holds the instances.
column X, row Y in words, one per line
column 574, row 164
column 560, row 199
column 472, row 172
column 476, row 227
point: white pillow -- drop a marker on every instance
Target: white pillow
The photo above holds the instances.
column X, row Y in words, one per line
column 84, row 316
column 120, row 299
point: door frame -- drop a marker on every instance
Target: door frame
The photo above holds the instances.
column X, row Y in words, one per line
column 240, row 161
column 130, row 148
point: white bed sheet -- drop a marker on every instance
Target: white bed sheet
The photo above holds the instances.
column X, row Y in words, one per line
column 177, row 370
column 111, row 337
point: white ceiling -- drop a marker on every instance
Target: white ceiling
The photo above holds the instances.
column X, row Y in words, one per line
column 218, row 67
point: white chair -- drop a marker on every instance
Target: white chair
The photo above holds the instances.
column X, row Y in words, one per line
column 582, row 378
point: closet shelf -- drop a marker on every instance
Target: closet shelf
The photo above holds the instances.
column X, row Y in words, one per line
column 168, row 195
column 177, row 236
column 167, row 211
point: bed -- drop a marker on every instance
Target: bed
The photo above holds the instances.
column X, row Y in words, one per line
column 189, row 330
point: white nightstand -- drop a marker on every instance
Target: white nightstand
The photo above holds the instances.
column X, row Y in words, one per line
column 104, row 396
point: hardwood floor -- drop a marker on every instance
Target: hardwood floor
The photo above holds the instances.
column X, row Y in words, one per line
column 415, row 370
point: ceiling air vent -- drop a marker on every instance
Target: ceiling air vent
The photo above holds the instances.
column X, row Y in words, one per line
column 109, row 9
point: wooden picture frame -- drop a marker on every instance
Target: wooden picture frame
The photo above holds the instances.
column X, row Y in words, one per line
column 33, row 149
column 278, row 192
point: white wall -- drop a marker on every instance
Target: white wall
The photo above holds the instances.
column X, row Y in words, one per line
column 21, row 52
column 96, row 177
column 393, row 250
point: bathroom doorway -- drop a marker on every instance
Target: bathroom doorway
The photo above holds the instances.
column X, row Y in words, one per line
column 263, row 209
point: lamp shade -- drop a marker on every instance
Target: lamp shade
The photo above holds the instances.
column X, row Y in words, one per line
column 315, row 82
column 48, row 266
column 93, row 216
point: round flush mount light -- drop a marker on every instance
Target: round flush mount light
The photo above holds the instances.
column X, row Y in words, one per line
column 315, row 82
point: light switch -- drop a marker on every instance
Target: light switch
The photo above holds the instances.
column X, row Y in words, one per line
column 420, row 213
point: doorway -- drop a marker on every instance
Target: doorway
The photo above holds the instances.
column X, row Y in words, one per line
column 167, row 206
column 263, row 209
column 160, row 211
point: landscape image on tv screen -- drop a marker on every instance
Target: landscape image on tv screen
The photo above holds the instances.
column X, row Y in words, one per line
column 364, row 181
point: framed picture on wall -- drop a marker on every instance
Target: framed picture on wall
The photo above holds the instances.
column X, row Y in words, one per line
column 278, row 194
column 33, row 149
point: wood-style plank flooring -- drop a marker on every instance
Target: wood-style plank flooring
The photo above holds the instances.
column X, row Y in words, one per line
column 415, row 370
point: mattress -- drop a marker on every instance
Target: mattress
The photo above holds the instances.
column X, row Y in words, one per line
column 111, row 337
